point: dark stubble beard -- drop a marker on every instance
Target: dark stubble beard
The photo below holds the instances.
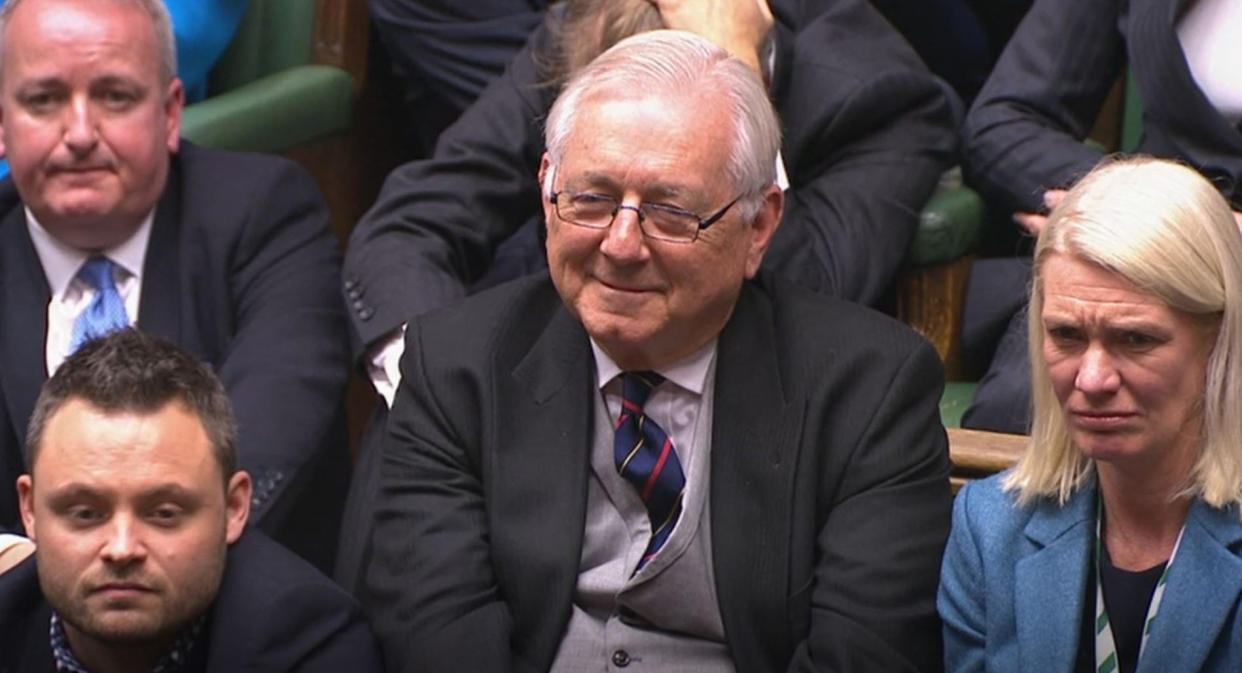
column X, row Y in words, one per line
column 175, row 610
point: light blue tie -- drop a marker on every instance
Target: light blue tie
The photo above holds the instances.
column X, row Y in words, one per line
column 106, row 313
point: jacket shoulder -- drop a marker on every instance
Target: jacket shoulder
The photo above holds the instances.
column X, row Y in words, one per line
column 276, row 612
column 218, row 177
column 500, row 321
column 814, row 327
column 992, row 514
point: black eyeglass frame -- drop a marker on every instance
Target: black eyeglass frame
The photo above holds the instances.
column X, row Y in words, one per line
column 642, row 216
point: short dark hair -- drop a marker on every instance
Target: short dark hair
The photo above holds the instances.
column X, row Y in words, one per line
column 128, row 370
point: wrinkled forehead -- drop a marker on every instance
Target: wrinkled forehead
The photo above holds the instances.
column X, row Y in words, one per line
column 699, row 117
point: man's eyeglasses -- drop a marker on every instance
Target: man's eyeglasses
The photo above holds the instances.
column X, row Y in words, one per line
column 657, row 221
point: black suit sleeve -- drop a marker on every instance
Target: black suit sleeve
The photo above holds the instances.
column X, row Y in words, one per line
column 1024, row 133
column 880, row 544
column 437, row 222
column 431, row 580
column 868, row 131
column 286, row 362
column 276, row 614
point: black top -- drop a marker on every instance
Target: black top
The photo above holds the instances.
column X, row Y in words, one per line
column 1127, row 595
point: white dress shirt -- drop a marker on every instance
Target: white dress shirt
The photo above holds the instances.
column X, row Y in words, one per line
column 71, row 295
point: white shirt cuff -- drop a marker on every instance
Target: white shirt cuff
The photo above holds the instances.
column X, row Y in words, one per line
column 384, row 365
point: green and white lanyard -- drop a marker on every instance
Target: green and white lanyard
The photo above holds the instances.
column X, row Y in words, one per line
column 1105, row 646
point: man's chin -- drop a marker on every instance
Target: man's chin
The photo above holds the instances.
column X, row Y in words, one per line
column 86, row 225
column 129, row 628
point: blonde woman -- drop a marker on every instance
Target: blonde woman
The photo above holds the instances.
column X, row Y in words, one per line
column 1115, row 542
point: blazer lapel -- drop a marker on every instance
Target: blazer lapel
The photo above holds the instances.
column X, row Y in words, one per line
column 159, row 310
column 25, row 298
column 1205, row 581
column 753, row 455
column 1050, row 584
column 537, row 491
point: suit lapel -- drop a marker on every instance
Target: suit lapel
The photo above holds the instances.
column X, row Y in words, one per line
column 538, row 487
column 753, row 456
column 1050, row 584
column 1205, row 582
column 25, row 298
column 159, row 310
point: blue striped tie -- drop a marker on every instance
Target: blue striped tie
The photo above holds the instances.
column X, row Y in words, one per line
column 106, row 312
column 646, row 458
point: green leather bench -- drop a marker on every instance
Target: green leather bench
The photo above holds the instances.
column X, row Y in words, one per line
column 267, row 93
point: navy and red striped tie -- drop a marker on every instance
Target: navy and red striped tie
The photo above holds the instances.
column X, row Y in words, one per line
column 646, row 458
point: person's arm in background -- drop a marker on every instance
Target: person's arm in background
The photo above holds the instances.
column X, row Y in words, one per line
column 1024, row 134
column 436, row 224
column 868, row 133
column 203, row 30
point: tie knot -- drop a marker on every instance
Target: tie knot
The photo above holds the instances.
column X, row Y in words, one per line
column 636, row 387
column 97, row 272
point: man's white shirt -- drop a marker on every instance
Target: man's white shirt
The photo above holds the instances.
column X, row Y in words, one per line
column 71, row 295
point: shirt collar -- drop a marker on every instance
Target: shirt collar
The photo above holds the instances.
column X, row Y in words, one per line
column 175, row 660
column 61, row 262
column 689, row 372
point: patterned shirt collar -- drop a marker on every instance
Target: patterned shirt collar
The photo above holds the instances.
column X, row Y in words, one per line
column 175, row 660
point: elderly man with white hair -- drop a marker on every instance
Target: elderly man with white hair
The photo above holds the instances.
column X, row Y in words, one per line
column 656, row 455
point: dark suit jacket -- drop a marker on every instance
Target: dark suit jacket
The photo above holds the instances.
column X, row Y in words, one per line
column 867, row 133
column 240, row 271
column 1024, row 133
column 829, row 500
column 274, row 613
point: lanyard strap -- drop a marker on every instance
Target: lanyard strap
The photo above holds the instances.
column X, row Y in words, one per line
column 1105, row 645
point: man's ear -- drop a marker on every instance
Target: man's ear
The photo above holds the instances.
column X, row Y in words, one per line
column 546, row 176
column 763, row 227
column 237, row 505
column 174, row 103
column 25, row 502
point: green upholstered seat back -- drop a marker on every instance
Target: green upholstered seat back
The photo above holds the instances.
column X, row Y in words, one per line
column 273, row 36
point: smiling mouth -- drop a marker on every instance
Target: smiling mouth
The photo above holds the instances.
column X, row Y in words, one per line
column 622, row 288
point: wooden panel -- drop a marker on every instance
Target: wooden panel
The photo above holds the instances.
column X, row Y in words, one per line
column 341, row 33
column 977, row 453
column 932, row 299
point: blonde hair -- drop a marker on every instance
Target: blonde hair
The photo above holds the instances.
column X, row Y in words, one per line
column 1164, row 228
